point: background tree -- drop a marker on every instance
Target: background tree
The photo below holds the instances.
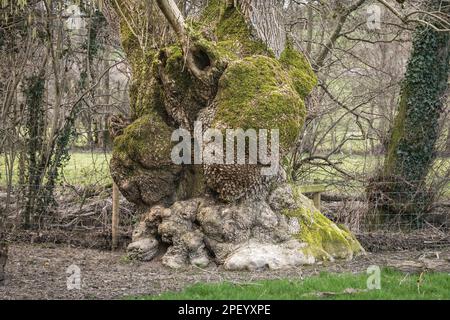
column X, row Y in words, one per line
column 54, row 95
column 402, row 191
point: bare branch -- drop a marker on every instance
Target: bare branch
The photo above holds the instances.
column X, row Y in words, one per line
column 177, row 22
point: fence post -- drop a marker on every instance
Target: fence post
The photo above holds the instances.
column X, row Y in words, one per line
column 115, row 217
column 3, row 249
column 317, row 199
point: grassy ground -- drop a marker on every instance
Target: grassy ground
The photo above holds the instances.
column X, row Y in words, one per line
column 394, row 286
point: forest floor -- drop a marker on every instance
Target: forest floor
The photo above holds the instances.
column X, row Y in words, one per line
column 39, row 272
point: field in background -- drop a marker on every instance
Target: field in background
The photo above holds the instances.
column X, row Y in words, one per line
column 88, row 169
column 83, row 169
column 360, row 169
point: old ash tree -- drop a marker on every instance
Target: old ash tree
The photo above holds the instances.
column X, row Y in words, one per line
column 226, row 67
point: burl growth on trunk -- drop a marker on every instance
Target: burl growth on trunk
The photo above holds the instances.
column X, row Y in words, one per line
column 221, row 74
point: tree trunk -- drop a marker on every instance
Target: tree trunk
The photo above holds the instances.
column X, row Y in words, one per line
column 224, row 71
column 400, row 193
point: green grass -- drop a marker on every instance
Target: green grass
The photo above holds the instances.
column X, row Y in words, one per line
column 83, row 168
column 88, row 169
column 394, row 286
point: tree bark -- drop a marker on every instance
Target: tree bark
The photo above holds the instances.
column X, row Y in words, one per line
column 400, row 192
column 178, row 24
column 266, row 18
column 201, row 212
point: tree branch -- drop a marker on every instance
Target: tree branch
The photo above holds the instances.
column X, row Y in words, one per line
column 178, row 24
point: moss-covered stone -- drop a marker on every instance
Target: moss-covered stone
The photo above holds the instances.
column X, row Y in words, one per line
column 257, row 93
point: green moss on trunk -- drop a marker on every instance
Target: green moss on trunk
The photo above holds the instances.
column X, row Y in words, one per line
column 299, row 69
column 147, row 141
column 250, row 89
column 257, row 93
column 325, row 239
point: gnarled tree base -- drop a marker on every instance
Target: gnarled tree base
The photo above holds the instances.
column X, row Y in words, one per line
column 283, row 231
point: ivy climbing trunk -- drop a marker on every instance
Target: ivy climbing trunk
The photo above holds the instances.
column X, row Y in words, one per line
column 34, row 141
column 400, row 194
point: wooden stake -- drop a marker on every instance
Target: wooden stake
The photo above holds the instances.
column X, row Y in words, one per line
column 115, row 217
column 317, row 200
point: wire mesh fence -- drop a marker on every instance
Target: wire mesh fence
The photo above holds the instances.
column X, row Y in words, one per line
column 81, row 211
column 78, row 215
column 365, row 207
